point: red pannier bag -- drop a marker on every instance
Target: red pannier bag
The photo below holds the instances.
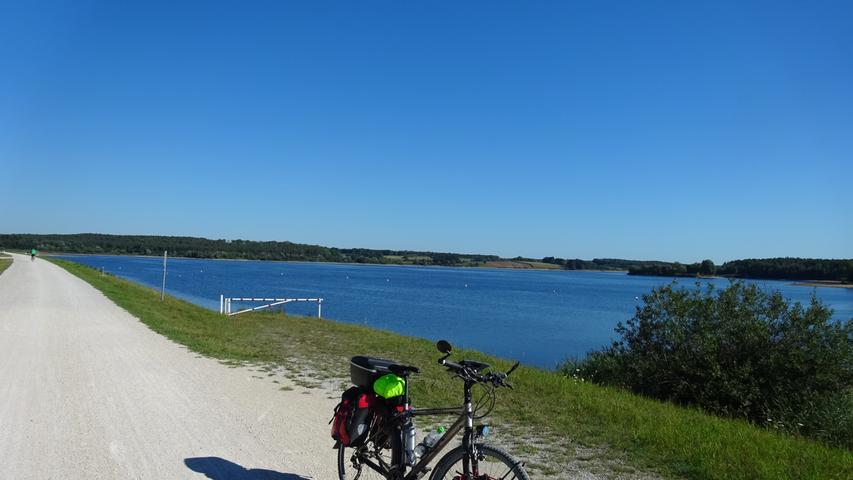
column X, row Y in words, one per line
column 353, row 416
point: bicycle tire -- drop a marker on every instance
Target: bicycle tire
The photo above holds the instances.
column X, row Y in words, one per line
column 348, row 471
column 446, row 469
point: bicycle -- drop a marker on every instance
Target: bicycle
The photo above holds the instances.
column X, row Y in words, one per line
column 388, row 451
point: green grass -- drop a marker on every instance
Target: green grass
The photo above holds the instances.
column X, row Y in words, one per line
column 674, row 441
column 5, row 262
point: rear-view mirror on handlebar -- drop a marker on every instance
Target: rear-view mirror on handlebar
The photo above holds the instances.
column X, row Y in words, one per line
column 444, row 346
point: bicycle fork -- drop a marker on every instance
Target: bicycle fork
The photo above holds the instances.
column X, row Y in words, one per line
column 470, row 466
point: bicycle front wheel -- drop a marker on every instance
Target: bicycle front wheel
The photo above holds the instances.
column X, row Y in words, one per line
column 492, row 463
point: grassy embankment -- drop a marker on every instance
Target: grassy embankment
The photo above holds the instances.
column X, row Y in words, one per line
column 672, row 440
column 5, row 262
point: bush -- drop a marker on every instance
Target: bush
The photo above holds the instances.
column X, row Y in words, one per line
column 737, row 351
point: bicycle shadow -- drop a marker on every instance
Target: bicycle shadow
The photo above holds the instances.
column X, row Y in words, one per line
column 216, row 468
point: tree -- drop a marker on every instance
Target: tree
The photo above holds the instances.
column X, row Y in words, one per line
column 737, row 351
column 707, row 268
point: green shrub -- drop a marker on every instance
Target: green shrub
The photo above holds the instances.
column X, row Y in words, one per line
column 738, row 351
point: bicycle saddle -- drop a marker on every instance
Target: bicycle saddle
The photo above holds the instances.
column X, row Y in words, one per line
column 403, row 370
column 366, row 370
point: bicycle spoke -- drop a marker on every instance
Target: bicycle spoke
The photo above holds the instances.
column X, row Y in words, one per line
column 355, row 468
column 491, row 464
column 491, row 467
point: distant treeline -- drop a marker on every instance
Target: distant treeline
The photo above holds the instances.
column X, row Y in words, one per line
column 675, row 269
column 602, row 263
column 771, row 268
column 790, row 268
column 193, row 247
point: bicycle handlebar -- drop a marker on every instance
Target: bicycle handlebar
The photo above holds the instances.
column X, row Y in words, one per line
column 498, row 379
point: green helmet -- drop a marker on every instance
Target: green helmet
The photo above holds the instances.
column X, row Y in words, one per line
column 389, row 386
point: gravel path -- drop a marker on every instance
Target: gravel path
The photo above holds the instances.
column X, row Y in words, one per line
column 87, row 391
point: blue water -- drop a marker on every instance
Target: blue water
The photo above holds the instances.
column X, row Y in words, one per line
column 539, row 317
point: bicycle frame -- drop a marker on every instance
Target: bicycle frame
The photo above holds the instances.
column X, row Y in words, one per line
column 465, row 420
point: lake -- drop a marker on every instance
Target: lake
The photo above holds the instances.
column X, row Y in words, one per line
column 540, row 317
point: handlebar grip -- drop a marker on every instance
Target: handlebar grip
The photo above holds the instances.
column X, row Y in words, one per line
column 454, row 366
column 512, row 369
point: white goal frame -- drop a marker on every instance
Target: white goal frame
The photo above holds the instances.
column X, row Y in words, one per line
column 225, row 304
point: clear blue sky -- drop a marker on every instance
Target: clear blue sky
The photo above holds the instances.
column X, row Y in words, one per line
column 666, row 130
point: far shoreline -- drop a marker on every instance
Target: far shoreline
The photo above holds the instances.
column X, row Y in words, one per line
column 823, row 283
column 484, row 267
column 802, row 283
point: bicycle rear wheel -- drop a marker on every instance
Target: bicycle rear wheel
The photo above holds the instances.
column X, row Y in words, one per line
column 492, row 463
column 352, row 467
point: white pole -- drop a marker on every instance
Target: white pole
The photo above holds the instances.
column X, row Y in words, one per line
column 320, row 308
column 163, row 290
column 222, row 304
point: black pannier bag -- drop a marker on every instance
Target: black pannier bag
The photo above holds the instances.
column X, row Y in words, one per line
column 353, row 416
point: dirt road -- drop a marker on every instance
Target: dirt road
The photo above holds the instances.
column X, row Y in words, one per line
column 87, row 391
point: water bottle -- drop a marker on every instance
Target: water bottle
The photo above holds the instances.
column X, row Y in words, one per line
column 409, row 443
column 429, row 442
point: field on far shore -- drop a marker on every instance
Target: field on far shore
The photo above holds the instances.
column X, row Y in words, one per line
column 520, row 264
column 824, row 283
